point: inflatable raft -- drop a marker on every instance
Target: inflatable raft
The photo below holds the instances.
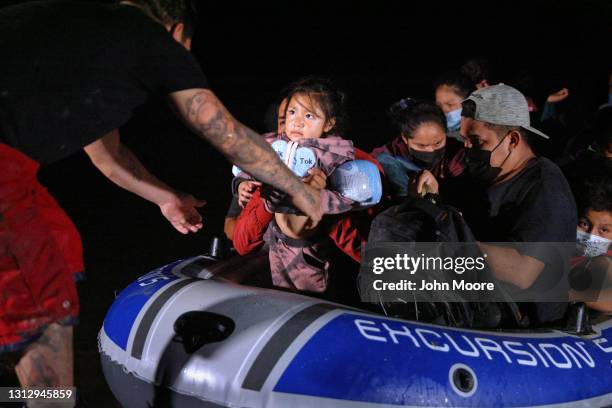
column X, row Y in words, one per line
column 181, row 337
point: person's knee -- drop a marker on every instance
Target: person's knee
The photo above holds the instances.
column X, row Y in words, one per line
column 48, row 361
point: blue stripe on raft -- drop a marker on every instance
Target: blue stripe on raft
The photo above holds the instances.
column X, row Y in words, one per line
column 123, row 312
column 376, row 360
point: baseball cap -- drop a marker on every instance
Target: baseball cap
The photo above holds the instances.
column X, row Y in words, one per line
column 502, row 105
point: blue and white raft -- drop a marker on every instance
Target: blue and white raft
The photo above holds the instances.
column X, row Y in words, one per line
column 179, row 336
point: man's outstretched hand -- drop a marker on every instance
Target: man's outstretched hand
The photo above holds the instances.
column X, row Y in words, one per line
column 182, row 213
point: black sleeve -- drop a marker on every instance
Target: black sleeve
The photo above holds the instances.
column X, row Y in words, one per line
column 168, row 67
column 234, row 209
column 548, row 215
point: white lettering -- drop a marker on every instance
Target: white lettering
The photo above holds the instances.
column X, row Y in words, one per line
column 463, row 285
column 481, row 264
column 404, row 332
column 538, row 354
column 473, row 353
column 432, row 345
column 415, row 264
column 545, row 346
column 361, row 325
column 493, row 346
column 586, row 357
column 151, row 278
column 532, row 362
column 599, row 343
column 376, row 268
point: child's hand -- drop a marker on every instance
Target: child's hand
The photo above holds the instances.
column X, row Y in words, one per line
column 316, row 178
column 245, row 192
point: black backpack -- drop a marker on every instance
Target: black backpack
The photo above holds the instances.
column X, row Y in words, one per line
column 425, row 220
column 421, row 220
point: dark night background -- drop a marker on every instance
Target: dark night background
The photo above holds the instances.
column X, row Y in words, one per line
column 376, row 51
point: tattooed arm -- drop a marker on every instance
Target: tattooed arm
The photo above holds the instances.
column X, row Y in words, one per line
column 123, row 168
column 207, row 116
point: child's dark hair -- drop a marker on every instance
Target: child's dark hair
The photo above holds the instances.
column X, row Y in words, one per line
column 595, row 189
column 461, row 83
column 330, row 100
column 271, row 115
column 408, row 114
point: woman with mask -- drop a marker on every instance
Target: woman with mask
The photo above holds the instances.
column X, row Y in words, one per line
column 451, row 88
column 421, row 157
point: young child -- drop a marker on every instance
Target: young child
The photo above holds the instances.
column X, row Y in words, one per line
column 451, row 88
column 299, row 252
column 594, row 234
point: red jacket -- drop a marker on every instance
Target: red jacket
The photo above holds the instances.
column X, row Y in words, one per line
column 348, row 231
column 40, row 254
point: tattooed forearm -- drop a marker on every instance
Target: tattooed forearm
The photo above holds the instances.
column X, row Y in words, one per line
column 240, row 144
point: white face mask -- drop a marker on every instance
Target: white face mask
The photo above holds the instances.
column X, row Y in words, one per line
column 591, row 245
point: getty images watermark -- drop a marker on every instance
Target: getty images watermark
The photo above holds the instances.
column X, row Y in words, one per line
column 462, row 272
column 408, row 264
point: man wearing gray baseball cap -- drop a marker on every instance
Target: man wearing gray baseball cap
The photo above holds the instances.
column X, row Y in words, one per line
column 527, row 198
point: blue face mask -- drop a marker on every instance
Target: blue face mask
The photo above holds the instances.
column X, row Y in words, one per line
column 453, row 120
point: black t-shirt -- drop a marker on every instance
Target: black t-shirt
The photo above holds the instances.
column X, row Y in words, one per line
column 535, row 206
column 73, row 71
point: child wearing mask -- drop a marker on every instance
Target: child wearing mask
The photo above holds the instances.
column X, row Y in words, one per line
column 451, row 88
column 594, row 236
column 422, row 156
column 299, row 253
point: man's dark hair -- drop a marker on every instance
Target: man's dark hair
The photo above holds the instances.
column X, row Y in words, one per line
column 461, row 83
column 172, row 12
column 477, row 69
column 408, row 114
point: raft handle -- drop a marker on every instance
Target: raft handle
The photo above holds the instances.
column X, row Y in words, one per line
column 197, row 328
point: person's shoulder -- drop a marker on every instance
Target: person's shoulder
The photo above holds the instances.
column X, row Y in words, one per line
column 548, row 173
column 548, row 182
